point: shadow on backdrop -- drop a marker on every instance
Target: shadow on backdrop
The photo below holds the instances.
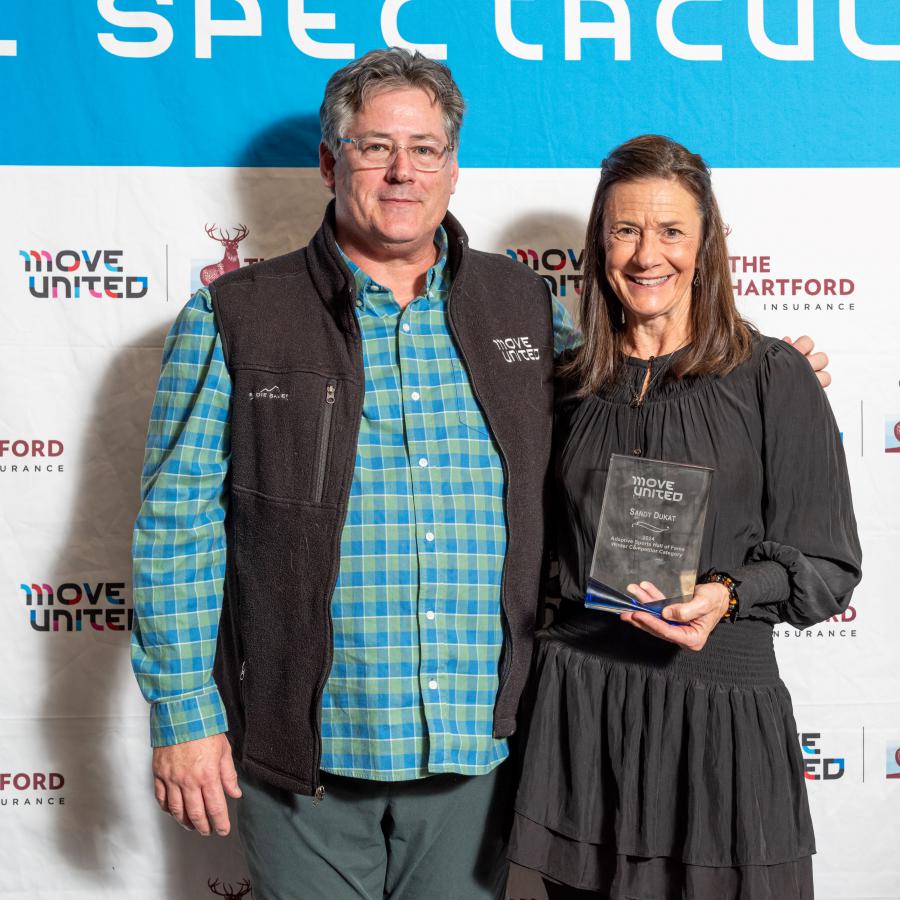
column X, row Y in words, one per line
column 85, row 729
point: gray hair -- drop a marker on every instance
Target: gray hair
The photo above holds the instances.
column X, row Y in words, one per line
column 350, row 88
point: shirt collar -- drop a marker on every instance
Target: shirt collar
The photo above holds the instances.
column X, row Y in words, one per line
column 379, row 299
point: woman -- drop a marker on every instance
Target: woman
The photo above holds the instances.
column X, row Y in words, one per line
column 662, row 759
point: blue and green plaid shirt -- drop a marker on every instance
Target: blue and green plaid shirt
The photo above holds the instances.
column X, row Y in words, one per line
column 416, row 611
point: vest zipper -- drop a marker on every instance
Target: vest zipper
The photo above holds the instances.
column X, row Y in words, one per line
column 330, row 389
column 319, row 793
column 506, row 653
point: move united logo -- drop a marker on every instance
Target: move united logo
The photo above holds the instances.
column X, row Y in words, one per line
column 71, row 606
column 559, row 267
column 81, row 274
column 31, row 456
column 817, row 766
column 28, row 789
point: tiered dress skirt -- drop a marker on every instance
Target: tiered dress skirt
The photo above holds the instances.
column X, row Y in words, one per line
column 652, row 772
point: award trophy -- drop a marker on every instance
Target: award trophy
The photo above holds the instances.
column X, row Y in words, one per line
column 651, row 527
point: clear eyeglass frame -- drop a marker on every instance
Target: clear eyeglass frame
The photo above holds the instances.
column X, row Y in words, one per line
column 380, row 153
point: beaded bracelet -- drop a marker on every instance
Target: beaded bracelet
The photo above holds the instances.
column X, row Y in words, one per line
column 732, row 586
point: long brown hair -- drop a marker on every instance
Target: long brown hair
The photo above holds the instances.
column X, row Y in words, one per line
column 720, row 336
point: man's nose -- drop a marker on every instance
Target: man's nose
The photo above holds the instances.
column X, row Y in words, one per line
column 401, row 168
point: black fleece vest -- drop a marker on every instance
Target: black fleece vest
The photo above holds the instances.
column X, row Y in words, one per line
column 293, row 348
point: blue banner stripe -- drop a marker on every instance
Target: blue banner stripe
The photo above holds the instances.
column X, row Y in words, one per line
column 71, row 100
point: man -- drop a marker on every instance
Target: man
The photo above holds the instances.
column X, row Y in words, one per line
column 342, row 517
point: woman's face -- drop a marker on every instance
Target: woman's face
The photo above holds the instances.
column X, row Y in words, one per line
column 652, row 231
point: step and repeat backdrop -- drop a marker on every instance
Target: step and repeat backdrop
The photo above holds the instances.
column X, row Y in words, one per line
column 143, row 141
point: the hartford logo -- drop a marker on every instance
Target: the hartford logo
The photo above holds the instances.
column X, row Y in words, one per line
column 839, row 626
column 77, row 274
column 70, row 606
column 204, row 272
column 30, row 455
column 21, row 789
column 270, row 393
column 559, row 267
column 754, row 276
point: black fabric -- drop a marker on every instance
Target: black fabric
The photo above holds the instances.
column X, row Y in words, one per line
column 638, row 750
column 290, row 339
column 632, row 878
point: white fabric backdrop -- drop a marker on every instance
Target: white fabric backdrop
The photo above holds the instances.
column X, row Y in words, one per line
column 77, row 814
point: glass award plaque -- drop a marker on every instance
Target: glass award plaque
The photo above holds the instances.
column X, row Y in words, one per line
column 651, row 527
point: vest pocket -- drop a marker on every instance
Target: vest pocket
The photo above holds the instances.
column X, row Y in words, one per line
column 284, row 427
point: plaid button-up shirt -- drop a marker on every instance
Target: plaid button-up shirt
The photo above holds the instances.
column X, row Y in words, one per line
column 416, row 607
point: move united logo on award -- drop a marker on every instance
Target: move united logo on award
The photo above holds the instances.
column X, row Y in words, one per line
column 650, row 529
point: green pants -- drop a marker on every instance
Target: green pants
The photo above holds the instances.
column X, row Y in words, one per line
column 438, row 838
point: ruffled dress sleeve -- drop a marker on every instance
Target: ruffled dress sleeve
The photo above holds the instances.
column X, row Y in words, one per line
column 806, row 567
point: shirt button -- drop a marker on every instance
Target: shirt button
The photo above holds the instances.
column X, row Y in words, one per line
column 415, row 395
column 429, row 536
column 405, row 326
column 423, row 463
column 432, row 684
column 429, row 614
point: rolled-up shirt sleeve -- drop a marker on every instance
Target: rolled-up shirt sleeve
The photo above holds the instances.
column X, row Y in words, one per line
column 806, row 567
column 179, row 536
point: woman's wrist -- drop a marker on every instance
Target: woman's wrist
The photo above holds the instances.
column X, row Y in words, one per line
column 729, row 588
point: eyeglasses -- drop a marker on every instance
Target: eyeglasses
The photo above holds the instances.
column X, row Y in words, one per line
column 379, row 153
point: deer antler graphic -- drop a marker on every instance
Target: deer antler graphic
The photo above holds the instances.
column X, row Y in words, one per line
column 230, row 261
column 228, row 891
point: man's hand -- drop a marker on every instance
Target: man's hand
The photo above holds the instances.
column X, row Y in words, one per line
column 191, row 780
column 819, row 361
column 699, row 615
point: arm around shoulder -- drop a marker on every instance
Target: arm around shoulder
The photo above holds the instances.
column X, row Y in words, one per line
column 807, row 565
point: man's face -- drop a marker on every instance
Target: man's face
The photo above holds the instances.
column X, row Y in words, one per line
column 399, row 207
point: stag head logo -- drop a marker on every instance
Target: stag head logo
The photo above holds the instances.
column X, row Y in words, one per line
column 229, row 891
column 230, row 261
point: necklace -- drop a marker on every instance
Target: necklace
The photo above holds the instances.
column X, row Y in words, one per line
column 638, row 396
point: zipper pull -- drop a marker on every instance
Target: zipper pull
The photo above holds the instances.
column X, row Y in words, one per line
column 329, row 393
column 320, row 795
column 243, row 670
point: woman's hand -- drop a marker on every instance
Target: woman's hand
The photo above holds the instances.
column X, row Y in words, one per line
column 700, row 614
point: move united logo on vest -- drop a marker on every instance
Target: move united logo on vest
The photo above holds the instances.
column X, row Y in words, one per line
column 517, row 349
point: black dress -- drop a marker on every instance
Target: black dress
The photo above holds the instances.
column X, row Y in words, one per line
column 653, row 772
